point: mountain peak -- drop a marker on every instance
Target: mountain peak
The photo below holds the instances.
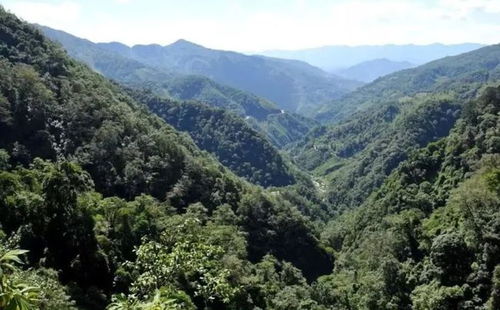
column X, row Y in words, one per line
column 183, row 43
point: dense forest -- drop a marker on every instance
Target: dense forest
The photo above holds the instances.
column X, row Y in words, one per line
column 92, row 184
column 235, row 144
column 429, row 238
column 162, row 194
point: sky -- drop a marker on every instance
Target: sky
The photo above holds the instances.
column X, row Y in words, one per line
column 258, row 25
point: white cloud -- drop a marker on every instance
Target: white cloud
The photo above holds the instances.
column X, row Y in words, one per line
column 56, row 15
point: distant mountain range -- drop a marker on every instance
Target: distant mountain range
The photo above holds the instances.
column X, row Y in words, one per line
column 368, row 71
column 337, row 57
column 294, row 86
column 117, row 61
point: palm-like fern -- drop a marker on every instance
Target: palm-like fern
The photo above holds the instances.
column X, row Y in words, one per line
column 14, row 295
column 164, row 299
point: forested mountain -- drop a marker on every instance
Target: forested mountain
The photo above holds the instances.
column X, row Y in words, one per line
column 449, row 73
column 429, row 238
column 225, row 135
column 110, row 200
column 115, row 63
column 398, row 113
column 293, row 85
column 370, row 70
column 335, row 57
column 121, row 197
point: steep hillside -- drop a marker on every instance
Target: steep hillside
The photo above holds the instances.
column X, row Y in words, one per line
column 429, row 237
column 285, row 128
column 280, row 128
column 91, row 180
column 228, row 137
column 398, row 113
column 293, row 85
column 370, row 70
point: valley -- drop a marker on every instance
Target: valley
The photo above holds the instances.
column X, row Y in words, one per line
column 177, row 176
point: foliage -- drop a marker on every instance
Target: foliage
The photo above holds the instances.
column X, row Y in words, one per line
column 434, row 220
column 230, row 139
column 50, row 293
column 133, row 215
column 14, row 295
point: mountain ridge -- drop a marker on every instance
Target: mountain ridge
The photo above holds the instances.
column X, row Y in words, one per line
column 91, row 180
column 428, row 77
column 292, row 85
column 337, row 57
column 370, row 70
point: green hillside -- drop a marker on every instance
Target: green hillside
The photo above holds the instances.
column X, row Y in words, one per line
column 449, row 73
column 126, row 181
column 429, row 237
column 228, row 137
column 397, row 114
column 230, row 141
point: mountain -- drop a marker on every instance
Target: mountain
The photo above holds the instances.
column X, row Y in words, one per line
column 105, row 199
column 338, row 57
column 453, row 72
column 294, row 86
column 115, row 62
column 267, row 169
column 164, row 81
column 396, row 114
column 104, row 205
column 429, row 237
column 370, row 70
column 233, row 142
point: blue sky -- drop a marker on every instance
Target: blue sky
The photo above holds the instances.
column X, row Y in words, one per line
column 256, row 25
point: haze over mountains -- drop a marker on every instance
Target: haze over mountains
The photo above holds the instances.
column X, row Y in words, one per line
column 370, row 70
column 477, row 66
column 338, row 57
